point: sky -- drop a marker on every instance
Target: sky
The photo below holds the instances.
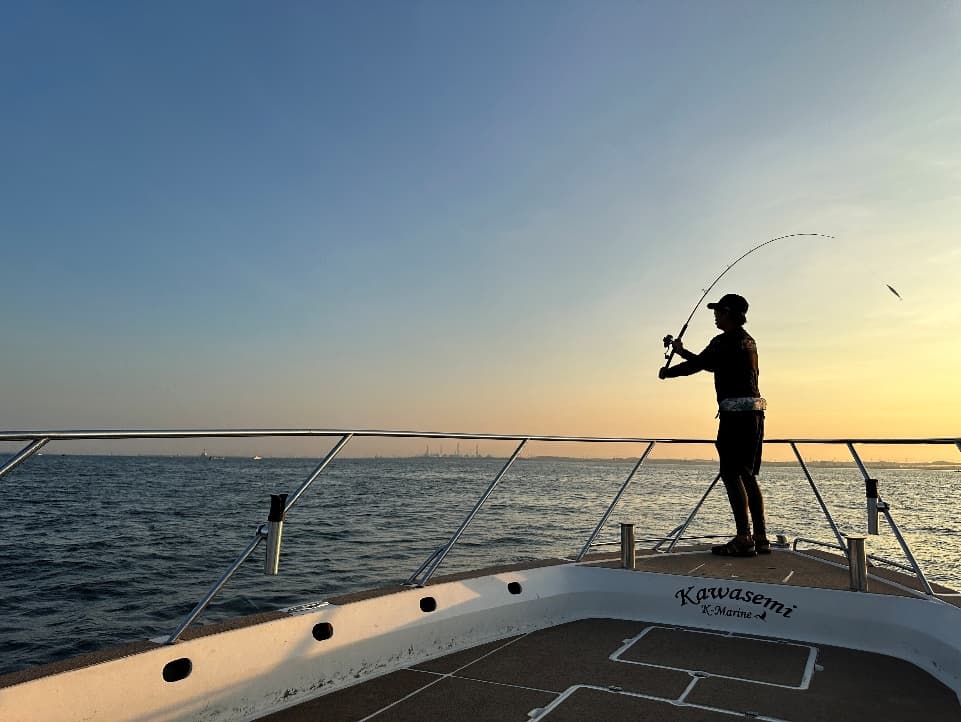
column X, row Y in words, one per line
column 476, row 217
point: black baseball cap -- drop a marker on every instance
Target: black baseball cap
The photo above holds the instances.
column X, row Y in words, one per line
column 731, row 302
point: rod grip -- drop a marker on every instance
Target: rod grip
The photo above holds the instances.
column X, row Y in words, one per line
column 679, row 336
column 277, row 504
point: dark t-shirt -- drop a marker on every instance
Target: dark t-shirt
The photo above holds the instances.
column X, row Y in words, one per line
column 732, row 358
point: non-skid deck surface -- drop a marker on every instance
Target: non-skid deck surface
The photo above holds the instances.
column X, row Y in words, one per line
column 627, row 670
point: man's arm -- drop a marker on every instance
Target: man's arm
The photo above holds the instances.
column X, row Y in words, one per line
column 686, row 368
column 693, row 362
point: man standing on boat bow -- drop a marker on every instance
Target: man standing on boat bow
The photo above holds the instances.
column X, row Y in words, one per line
column 732, row 358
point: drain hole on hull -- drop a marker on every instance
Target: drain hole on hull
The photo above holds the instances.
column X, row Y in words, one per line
column 322, row 631
column 428, row 604
column 514, row 587
column 177, row 670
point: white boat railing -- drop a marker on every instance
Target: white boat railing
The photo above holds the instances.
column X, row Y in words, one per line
column 36, row 440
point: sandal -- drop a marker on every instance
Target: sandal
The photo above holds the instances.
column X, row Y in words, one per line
column 762, row 545
column 734, row 548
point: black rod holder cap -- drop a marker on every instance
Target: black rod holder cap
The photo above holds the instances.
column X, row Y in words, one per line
column 277, row 504
column 871, row 488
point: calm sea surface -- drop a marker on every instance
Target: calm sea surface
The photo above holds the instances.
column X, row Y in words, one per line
column 98, row 550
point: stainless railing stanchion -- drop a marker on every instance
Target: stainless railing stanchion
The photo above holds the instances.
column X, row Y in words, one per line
column 412, row 579
column 25, row 453
column 906, row 549
column 817, row 495
column 295, row 497
column 690, row 518
column 218, row 585
column 617, row 498
column 439, row 557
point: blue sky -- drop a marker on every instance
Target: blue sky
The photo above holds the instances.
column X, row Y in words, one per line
column 472, row 217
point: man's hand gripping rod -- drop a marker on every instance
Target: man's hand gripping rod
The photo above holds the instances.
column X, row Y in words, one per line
column 669, row 344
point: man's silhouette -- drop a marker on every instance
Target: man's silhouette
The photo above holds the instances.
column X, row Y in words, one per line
column 732, row 358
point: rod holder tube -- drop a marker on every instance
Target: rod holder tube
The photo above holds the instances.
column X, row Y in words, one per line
column 857, row 563
column 275, row 531
column 871, row 497
column 628, row 547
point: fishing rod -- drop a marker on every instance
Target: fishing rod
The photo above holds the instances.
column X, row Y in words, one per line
column 669, row 340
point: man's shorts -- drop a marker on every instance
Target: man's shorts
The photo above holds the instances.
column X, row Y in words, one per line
column 739, row 440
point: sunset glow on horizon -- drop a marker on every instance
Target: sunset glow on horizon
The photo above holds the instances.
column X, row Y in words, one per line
column 479, row 219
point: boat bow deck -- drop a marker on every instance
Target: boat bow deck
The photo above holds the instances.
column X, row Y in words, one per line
column 616, row 669
column 629, row 670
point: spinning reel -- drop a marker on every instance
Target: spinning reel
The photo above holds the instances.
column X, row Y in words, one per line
column 668, row 340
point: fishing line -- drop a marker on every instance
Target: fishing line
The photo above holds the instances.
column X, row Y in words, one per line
column 668, row 340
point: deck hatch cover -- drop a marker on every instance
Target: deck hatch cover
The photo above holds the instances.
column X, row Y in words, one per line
column 755, row 660
column 585, row 702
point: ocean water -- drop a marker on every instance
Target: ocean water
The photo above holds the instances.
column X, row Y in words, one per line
column 100, row 550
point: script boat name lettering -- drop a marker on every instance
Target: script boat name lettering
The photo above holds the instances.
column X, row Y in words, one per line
column 699, row 596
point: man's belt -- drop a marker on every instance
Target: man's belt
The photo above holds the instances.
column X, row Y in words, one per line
column 743, row 403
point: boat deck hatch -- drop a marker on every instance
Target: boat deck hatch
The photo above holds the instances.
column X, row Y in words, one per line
column 621, row 669
column 592, row 703
column 722, row 655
